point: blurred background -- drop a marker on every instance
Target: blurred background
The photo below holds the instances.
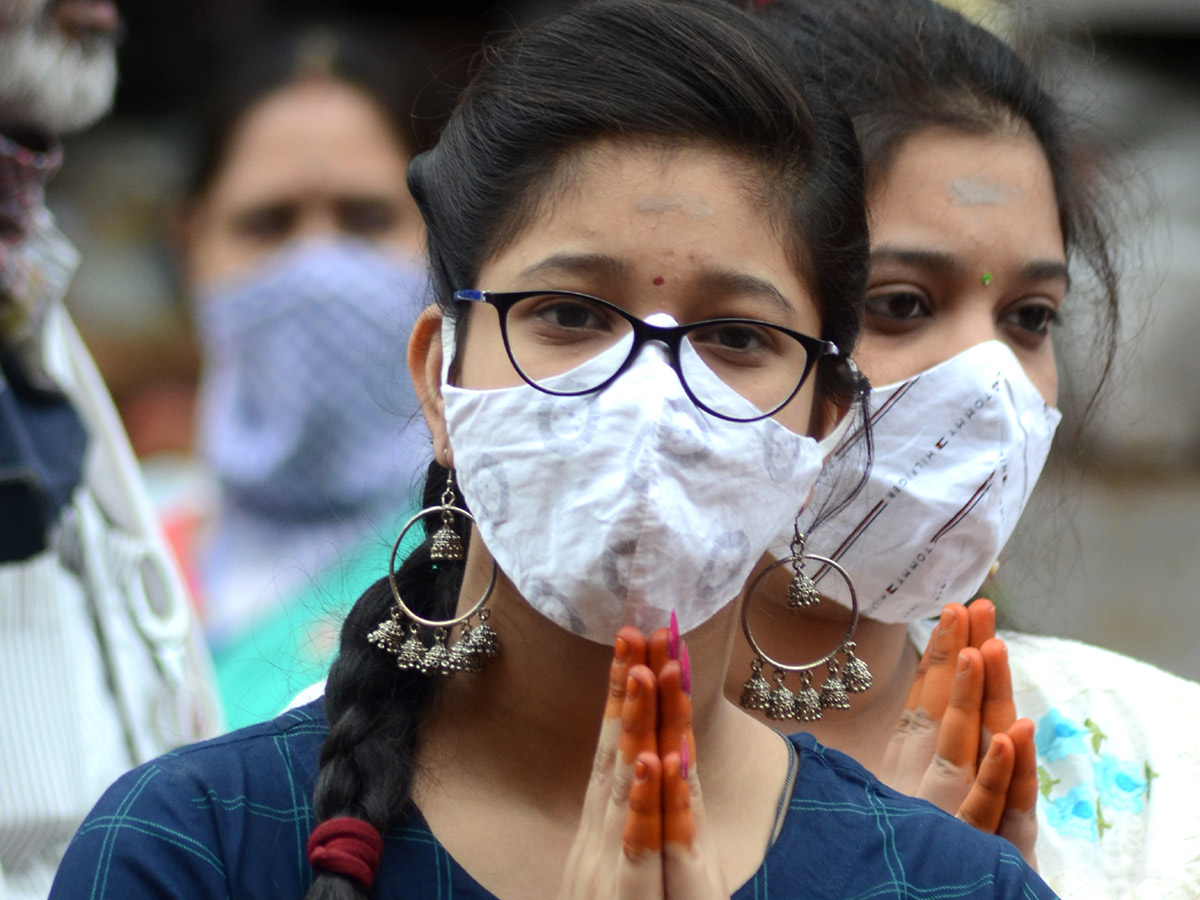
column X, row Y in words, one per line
column 1109, row 551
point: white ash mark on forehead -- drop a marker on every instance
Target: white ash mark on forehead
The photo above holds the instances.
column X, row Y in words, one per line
column 982, row 192
column 689, row 204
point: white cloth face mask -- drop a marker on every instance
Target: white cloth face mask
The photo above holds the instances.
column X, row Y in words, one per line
column 958, row 450
column 620, row 506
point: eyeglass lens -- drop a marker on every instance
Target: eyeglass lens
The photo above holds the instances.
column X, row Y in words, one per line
column 552, row 334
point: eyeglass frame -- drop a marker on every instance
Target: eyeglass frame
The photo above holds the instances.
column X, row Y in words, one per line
column 815, row 349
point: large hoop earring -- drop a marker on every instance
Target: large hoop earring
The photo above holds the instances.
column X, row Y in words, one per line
column 401, row 634
column 806, row 704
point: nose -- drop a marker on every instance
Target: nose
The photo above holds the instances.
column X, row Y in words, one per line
column 968, row 328
column 316, row 221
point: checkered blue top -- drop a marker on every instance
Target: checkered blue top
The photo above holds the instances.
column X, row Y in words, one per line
column 229, row 818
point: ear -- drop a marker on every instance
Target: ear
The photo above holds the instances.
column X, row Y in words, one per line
column 425, row 370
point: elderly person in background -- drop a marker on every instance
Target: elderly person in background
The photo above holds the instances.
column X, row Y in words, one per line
column 98, row 666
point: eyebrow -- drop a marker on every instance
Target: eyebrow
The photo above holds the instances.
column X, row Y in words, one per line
column 597, row 264
column 718, row 281
column 724, row 281
column 935, row 260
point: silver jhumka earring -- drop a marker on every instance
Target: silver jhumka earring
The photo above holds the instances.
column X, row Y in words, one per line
column 806, row 704
column 402, row 633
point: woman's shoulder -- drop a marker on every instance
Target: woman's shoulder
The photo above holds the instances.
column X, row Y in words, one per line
column 255, row 757
column 883, row 843
column 204, row 812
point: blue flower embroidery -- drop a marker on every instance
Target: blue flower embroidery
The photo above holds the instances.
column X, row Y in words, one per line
column 1122, row 784
column 1058, row 737
column 1075, row 814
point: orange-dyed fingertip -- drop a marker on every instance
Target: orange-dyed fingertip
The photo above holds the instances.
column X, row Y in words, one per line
column 621, row 650
column 639, row 715
column 644, row 822
column 674, row 707
column 658, row 649
column 629, row 649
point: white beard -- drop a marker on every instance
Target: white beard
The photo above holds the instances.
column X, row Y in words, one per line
column 53, row 83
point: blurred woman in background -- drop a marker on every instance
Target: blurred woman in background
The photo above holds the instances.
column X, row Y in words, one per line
column 301, row 248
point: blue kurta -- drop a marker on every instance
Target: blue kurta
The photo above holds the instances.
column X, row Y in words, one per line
column 228, row 818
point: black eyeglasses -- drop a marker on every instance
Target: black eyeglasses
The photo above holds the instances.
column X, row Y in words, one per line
column 741, row 370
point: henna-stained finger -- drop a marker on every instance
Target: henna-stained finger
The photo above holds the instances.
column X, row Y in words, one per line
column 629, row 649
column 984, row 805
column 674, row 710
column 919, row 738
column 981, row 613
column 999, row 709
column 950, row 638
column 1023, row 793
column 958, row 738
column 950, row 772
column 643, row 831
column 639, row 869
column 1019, row 823
column 679, row 827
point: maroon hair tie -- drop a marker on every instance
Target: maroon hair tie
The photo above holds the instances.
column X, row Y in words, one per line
column 346, row 846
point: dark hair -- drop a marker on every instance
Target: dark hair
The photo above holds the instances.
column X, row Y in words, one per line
column 390, row 72
column 484, row 181
column 664, row 71
column 899, row 67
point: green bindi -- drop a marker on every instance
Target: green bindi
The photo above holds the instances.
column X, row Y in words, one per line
column 987, row 278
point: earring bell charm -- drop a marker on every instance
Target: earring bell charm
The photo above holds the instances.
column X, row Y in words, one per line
column 389, row 634
column 802, row 592
column 833, row 691
column 756, row 692
column 437, row 659
column 783, row 701
column 855, row 674
column 412, row 651
column 446, row 545
column 808, row 701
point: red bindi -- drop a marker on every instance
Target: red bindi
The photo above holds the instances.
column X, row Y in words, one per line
column 659, row 280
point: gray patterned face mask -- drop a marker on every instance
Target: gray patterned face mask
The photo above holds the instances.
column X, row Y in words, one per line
column 620, row 506
column 305, row 412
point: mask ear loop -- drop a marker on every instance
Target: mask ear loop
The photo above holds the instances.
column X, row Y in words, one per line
column 806, row 704
column 829, row 443
column 449, row 347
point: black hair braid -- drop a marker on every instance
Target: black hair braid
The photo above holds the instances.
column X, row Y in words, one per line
column 373, row 707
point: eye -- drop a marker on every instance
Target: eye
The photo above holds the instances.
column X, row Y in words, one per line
column 1035, row 318
column 570, row 314
column 268, row 223
column 367, row 216
column 734, row 337
column 897, row 307
column 742, row 344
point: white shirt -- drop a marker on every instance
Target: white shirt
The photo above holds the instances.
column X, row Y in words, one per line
column 1118, row 744
column 101, row 667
